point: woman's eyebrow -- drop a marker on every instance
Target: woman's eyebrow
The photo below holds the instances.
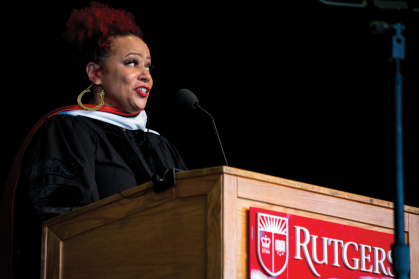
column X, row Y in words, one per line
column 135, row 53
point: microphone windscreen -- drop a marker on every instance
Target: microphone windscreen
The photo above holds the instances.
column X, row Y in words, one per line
column 186, row 98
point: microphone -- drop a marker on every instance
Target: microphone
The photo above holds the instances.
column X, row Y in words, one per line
column 188, row 100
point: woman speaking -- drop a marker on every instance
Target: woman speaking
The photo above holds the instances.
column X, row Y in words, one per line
column 82, row 153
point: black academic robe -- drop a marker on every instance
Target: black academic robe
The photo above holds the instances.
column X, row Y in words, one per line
column 73, row 161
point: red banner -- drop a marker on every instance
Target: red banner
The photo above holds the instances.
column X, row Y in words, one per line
column 290, row 246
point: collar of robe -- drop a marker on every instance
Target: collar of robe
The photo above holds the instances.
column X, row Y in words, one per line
column 129, row 121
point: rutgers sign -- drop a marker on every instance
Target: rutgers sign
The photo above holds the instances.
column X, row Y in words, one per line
column 290, row 246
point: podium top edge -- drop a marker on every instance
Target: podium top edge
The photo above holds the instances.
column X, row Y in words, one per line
column 290, row 183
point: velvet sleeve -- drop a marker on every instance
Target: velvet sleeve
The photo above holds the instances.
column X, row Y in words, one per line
column 59, row 166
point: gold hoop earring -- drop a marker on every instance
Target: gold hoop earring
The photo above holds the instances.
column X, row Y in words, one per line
column 102, row 99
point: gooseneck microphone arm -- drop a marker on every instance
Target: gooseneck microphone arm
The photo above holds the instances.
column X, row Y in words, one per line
column 216, row 132
column 188, row 100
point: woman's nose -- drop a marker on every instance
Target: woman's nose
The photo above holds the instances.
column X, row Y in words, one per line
column 144, row 75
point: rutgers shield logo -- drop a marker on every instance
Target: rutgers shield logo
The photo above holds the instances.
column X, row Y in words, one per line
column 272, row 243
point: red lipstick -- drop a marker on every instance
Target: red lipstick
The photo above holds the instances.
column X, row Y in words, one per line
column 143, row 90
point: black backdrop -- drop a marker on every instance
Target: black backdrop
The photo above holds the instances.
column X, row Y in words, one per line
column 298, row 90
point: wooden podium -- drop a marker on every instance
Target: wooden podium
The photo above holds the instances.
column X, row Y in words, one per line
column 197, row 229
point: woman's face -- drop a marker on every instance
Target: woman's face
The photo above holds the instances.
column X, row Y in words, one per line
column 126, row 78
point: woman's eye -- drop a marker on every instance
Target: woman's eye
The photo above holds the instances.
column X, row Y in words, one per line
column 131, row 63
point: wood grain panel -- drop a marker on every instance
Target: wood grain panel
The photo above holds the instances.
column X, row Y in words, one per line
column 229, row 226
column 200, row 172
column 177, row 227
column 242, row 248
column 53, row 256
column 119, row 207
column 313, row 188
column 317, row 203
column 195, row 186
column 214, row 231
column 249, row 203
column 137, row 190
column 414, row 245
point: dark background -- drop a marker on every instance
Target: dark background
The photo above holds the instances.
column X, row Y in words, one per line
column 298, row 90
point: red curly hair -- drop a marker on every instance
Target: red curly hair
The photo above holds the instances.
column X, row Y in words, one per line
column 91, row 30
column 99, row 19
